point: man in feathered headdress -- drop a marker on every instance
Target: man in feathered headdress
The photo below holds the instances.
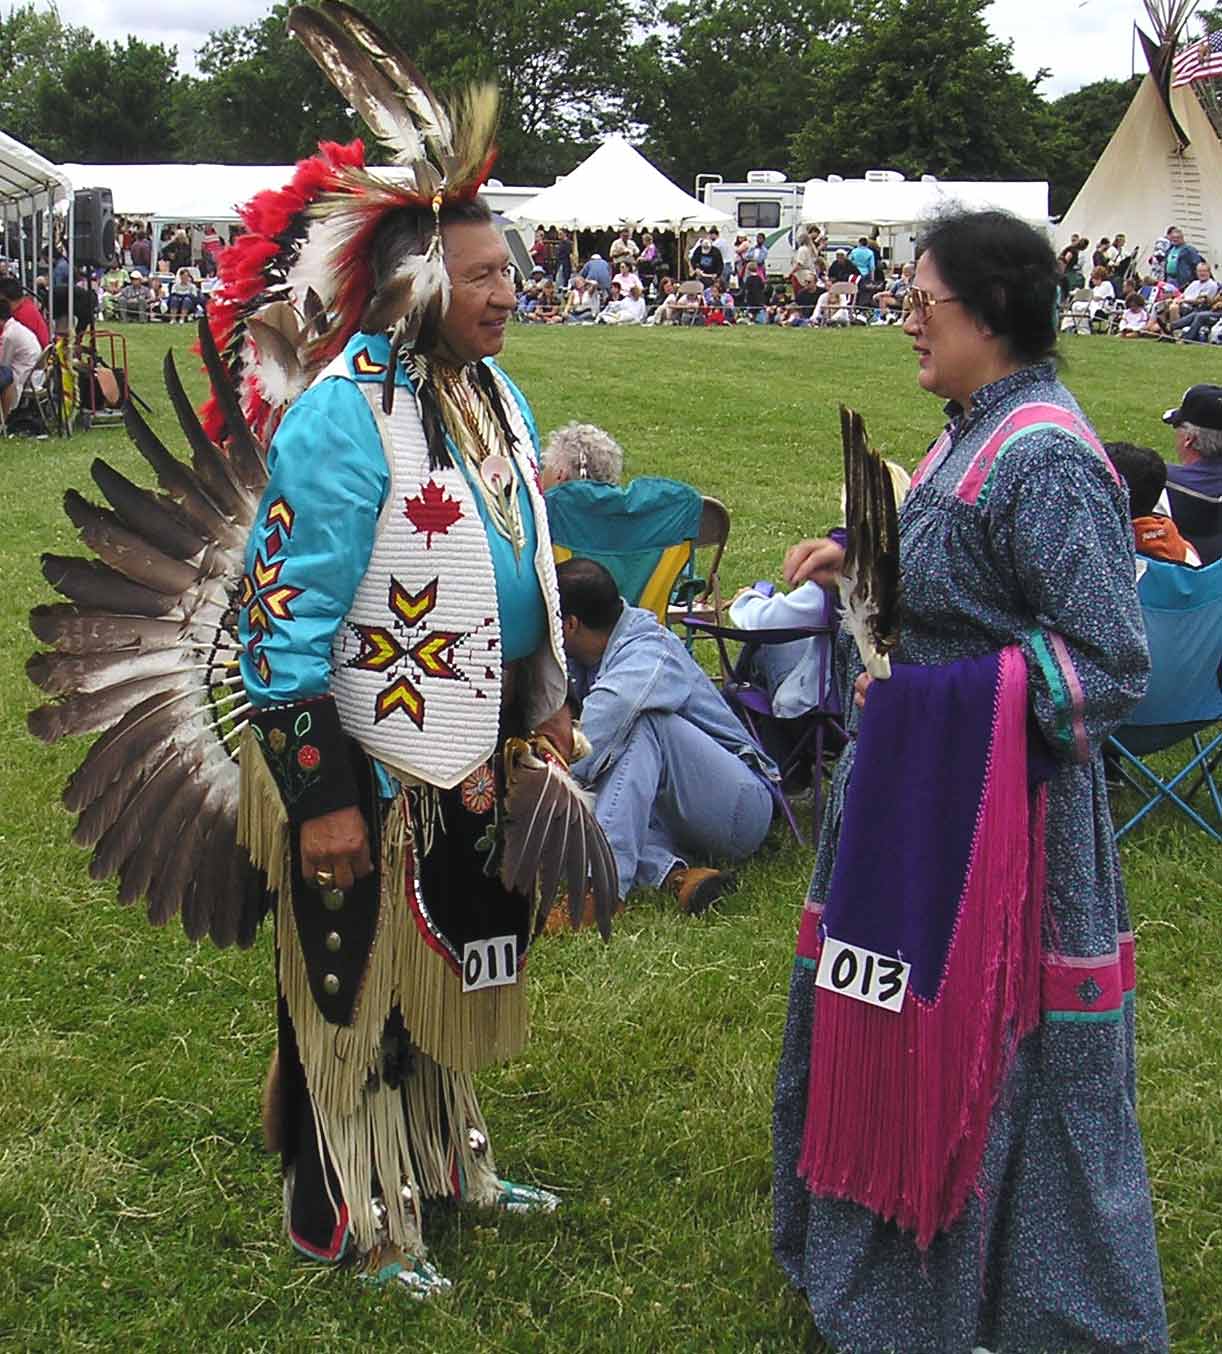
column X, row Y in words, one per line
column 399, row 621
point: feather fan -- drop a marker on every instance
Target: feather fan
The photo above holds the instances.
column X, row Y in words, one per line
column 552, row 835
column 870, row 577
column 144, row 652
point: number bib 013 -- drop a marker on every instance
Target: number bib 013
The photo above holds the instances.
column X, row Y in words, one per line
column 877, row 979
column 489, row 963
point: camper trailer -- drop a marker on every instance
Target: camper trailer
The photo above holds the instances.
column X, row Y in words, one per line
column 766, row 202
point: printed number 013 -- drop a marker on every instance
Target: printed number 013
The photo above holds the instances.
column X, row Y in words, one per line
column 877, row 979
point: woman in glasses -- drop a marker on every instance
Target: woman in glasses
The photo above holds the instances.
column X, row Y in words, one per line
column 958, row 1164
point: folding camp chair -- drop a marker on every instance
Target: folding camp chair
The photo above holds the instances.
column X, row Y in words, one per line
column 1183, row 614
column 646, row 535
column 821, row 729
column 1199, row 518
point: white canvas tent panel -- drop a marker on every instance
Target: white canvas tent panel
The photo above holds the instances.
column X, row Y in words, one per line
column 904, row 203
column 1142, row 183
column 180, row 192
column 617, row 186
column 29, row 186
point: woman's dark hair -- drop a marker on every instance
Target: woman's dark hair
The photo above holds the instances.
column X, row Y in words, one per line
column 1143, row 470
column 588, row 592
column 1004, row 273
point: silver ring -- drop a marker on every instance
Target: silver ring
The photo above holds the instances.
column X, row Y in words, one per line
column 324, row 878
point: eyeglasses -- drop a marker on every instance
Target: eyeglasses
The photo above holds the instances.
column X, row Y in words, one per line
column 923, row 302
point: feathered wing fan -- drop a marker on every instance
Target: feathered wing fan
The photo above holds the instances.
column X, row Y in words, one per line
column 551, row 834
column 144, row 651
column 870, row 577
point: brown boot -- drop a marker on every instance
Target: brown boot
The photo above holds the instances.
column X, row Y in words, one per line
column 558, row 918
column 698, row 889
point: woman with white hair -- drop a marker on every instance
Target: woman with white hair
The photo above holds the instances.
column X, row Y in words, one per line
column 580, row 451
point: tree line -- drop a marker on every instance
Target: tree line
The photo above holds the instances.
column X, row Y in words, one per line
column 810, row 87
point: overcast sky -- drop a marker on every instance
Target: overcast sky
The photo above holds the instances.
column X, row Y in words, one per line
column 1079, row 40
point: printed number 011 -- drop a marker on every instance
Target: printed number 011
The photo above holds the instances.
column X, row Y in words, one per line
column 489, row 963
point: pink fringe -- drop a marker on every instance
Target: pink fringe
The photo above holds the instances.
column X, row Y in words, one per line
column 899, row 1105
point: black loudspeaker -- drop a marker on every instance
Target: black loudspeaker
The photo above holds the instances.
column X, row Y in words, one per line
column 93, row 229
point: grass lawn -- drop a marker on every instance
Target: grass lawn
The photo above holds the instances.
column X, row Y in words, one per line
column 137, row 1209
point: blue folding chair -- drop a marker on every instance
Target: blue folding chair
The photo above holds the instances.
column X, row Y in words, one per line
column 822, row 729
column 646, row 535
column 1183, row 614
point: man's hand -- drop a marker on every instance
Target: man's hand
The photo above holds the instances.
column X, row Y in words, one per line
column 819, row 560
column 337, row 843
column 558, row 730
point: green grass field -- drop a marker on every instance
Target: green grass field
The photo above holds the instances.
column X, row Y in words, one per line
column 137, row 1209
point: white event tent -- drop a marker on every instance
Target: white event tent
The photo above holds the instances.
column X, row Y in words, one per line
column 617, row 186
column 895, row 204
column 31, row 188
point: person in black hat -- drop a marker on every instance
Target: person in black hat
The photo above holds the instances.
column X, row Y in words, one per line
column 1198, row 440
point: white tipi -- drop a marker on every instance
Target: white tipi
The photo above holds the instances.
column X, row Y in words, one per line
column 1163, row 165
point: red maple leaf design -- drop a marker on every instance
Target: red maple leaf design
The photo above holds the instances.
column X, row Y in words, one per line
column 432, row 511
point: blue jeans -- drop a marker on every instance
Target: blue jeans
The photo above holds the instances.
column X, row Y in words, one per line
column 674, row 790
column 1198, row 325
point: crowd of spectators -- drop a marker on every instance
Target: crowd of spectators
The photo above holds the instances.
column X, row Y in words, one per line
column 1172, row 295
column 728, row 283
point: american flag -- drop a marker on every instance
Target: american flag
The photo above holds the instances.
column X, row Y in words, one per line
column 1198, row 61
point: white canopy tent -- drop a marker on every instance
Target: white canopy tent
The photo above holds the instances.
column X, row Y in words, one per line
column 29, row 187
column 617, row 186
column 205, row 194
column 184, row 193
column 896, row 205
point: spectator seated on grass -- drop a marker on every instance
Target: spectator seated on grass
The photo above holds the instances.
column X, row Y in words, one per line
column 1200, row 326
column 675, row 777
column 1156, row 535
column 628, row 309
column 667, row 309
column 19, row 354
column 628, row 277
column 582, row 303
column 1102, row 298
column 580, row 451
column 25, row 310
column 158, row 306
column 891, row 300
column 547, row 305
column 718, row 305
column 183, row 303
column 1136, row 321
column 132, row 301
column 1199, row 294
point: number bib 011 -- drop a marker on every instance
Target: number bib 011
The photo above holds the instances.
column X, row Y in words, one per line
column 489, row 963
column 877, row 979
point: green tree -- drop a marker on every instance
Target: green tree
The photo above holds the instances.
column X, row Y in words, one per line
column 108, row 103
column 559, row 68
column 920, row 86
column 1084, row 123
column 34, row 44
column 716, row 86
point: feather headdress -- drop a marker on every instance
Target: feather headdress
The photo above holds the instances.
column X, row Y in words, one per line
column 301, row 280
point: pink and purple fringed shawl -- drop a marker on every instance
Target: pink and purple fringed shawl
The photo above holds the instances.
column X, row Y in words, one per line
column 940, row 864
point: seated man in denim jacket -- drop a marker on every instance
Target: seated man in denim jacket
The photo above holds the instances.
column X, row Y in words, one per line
column 675, row 776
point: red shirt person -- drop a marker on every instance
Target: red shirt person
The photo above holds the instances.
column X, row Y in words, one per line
column 24, row 310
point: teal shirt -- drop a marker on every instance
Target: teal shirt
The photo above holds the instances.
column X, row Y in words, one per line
column 328, row 476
